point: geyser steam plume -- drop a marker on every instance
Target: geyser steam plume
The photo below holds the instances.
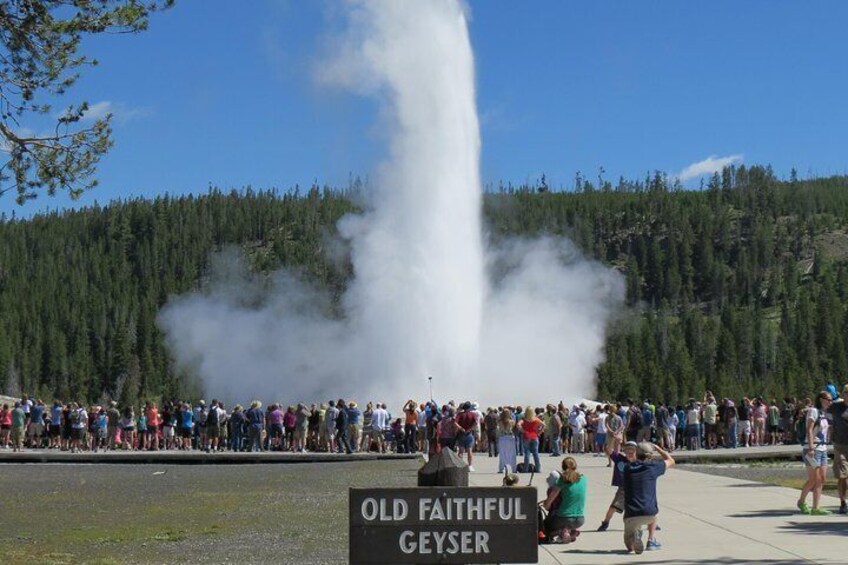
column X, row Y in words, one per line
column 521, row 322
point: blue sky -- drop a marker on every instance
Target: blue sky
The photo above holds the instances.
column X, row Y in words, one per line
column 221, row 92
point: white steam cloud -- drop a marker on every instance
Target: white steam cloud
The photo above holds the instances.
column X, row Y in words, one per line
column 521, row 322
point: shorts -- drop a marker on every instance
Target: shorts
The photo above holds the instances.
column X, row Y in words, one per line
column 818, row 458
column 78, row 433
column 168, row 431
column 600, row 439
column 559, row 523
column 466, row 441
column 5, row 427
column 101, row 433
column 744, row 427
column 377, row 435
column 213, row 431
column 840, row 461
column 35, row 430
column 129, row 429
column 17, row 435
column 152, row 429
column 633, row 525
column 185, row 433
column 618, row 500
column 447, row 442
column 55, row 430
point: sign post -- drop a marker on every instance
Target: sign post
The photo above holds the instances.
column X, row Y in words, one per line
column 443, row 525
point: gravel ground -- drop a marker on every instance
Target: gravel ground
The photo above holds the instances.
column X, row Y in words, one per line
column 178, row 514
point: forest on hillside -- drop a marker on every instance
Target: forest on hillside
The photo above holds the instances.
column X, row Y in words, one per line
column 740, row 287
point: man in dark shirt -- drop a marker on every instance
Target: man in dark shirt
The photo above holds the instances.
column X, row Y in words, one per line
column 342, row 422
column 839, row 412
column 640, row 494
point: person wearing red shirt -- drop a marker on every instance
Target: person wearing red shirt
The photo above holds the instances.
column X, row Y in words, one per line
column 531, row 428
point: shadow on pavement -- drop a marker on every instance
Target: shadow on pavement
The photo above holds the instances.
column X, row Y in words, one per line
column 751, row 485
column 765, row 513
column 693, row 561
column 831, row 526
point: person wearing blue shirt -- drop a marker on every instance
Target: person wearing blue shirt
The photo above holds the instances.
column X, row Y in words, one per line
column 640, row 493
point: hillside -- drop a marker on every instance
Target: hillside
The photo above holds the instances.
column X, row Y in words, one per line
column 740, row 287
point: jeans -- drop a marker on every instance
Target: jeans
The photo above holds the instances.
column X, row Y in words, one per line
column 342, row 443
column 733, row 434
column 411, row 443
column 235, row 439
column 255, row 438
column 532, row 446
column 556, row 445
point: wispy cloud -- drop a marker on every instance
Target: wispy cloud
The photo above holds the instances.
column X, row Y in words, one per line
column 121, row 113
column 708, row 166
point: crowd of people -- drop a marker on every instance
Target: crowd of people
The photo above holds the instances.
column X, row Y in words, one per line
column 638, row 464
column 510, row 433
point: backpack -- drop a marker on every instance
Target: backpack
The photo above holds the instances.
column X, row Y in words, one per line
column 212, row 417
column 522, row 468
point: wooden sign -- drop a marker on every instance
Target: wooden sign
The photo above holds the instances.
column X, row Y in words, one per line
column 443, row 525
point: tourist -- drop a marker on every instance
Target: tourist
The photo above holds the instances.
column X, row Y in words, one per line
column 758, row 417
column 102, row 438
column 342, row 443
column 619, row 461
column 256, row 425
column 615, row 432
column 490, row 423
column 154, row 424
column 710, row 419
column 79, row 425
column 141, row 423
column 55, row 430
column 113, row 417
column 17, row 423
column 36, row 423
column 465, row 434
column 640, row 494
column 128, row 428
column 506, row 442
column 447, row 429
column 577, row 423
column 531, row 427
column 354, row 425
column 563, row 523
column 815, row 455
column 5, row 425
column 379, row 424
column 839, row 412
column 693, row 425
column 745, row 428
column 214, row 419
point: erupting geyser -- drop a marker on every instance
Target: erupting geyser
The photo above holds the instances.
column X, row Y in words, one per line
column 423, row 300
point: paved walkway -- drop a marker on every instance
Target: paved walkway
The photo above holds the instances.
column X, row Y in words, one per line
column 704, row 519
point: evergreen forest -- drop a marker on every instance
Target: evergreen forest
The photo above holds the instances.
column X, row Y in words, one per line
column 740, row 287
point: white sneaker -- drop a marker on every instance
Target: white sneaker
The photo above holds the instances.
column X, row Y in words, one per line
column 471, row 468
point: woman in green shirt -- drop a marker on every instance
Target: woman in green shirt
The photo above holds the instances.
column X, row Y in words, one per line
column 564, row 522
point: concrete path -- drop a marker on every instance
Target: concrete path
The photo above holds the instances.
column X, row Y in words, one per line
column 704, row 519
